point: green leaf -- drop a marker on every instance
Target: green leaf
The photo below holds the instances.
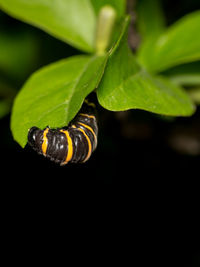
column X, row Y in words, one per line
column 180, row 43
column 119, row 5
column 72, row 21
column 150, row 22
column 125, row 85
column 4, row 108
column 186, row 79
column 7, row 94
column 185, row 75
column 195, row 95
column 17, row 47
column 150, row 18
column 54, row 94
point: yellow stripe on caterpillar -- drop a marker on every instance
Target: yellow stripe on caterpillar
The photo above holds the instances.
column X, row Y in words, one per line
column 70, row 147
column 88, row 141
column 45, row 142
column 91, row 130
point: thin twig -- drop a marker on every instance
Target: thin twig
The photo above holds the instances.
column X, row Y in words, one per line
column 133, row 37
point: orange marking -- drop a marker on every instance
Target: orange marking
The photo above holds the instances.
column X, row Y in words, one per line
column 89, row 103
column 89, row 143
column 86, row 115
column 91, row 130
column 45, row 142
column 70, row 146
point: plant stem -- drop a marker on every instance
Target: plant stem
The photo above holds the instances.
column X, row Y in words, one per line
column 105, row 24
column 133, row 37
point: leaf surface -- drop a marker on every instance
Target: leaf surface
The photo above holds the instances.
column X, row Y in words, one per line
column 151, row 21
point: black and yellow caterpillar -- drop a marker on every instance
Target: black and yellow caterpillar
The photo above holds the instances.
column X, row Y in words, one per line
column 74, row 143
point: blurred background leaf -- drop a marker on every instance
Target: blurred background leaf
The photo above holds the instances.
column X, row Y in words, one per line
column 7, row 94
column 18, row 53
column 188, row 76
column 179, row 44
column 70, row 21
column 150, row 23
column 4, row 108
column 150, row 18
column 119, row 5
column 18, row 58
column 185, row 74
column 195, row 94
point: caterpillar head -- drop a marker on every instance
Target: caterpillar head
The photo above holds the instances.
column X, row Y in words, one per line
column 35, row 138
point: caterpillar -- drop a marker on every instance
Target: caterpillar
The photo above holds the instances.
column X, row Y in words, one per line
column 74, row 143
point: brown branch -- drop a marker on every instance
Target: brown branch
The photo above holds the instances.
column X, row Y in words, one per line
column 133, row 37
